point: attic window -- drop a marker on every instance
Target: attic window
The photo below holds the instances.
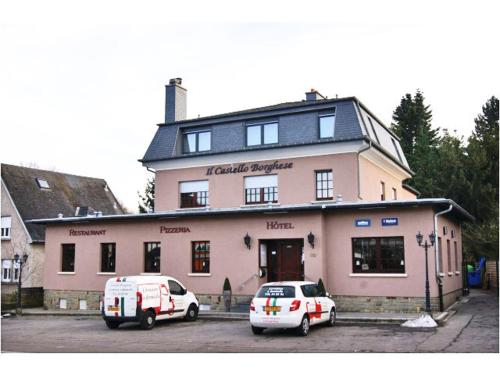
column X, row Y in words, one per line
column 397, row 150
column 42, row 184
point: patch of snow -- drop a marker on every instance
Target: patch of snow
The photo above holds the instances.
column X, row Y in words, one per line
column 423, row 321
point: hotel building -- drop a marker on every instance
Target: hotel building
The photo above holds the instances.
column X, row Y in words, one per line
column 296, row 191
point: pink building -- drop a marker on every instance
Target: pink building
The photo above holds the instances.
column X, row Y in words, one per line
column 295, row 191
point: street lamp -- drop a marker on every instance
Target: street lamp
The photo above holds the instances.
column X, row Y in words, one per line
column 425, row 245
column 21, row 263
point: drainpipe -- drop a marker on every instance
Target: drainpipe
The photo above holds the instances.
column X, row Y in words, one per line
column 436, row 255
column 363, row 149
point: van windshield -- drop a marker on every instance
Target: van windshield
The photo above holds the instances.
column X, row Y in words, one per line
column 276, row 292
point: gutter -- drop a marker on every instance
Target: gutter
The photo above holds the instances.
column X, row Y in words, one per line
column 363, row 149
column 437, row 250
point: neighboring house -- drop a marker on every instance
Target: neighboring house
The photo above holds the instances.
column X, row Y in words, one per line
column 295, row 191
column 28, row 193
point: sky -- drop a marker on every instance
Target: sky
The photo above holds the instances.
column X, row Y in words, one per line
column 82, row 84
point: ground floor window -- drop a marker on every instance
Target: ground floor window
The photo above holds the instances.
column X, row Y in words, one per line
column 201, row 256
column 108, row 257
column 68, row 257
column 378, row 255
column 152, row 252
column 6, row 270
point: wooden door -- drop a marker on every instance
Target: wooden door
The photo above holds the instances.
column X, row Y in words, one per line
column 285, row 260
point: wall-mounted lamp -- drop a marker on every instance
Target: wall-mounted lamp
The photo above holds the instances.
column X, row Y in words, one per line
column 247, row 240
column 310, row 239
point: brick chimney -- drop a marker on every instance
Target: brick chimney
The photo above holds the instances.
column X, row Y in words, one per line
column 175, row 101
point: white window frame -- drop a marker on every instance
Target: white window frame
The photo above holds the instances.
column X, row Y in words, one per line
column 6, row 226
column 7, row 265
column 16, row 271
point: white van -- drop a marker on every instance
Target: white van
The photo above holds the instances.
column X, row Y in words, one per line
column 145, row 299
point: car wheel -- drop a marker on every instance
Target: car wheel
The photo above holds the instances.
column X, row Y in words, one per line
column 112, row 324
column 303, row 328
column 148, row 320
column 333, row 318
column 257, row 330
column 192, row 313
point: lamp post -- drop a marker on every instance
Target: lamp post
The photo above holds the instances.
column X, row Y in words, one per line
column 425, row 245
column 21, row 263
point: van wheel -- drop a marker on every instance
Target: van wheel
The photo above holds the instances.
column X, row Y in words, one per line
column 332, row 319
column 257, row 330
column 303, row 328
column 192, row 313
column 112, row 324
column 148, row 320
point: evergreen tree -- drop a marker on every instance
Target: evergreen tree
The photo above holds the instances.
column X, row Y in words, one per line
column 147, row 201
column 481, row 237
column 419, row 141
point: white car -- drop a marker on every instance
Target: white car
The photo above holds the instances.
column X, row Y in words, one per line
column 291, row 304
column 145, row 299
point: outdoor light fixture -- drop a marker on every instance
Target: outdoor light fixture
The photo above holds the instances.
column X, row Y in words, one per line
column 310, row 239
column 425, row 245
column 247, row 240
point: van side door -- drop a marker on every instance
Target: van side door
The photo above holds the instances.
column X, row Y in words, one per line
column 178, row 295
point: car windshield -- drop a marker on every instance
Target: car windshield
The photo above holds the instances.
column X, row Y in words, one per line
column 276, row 292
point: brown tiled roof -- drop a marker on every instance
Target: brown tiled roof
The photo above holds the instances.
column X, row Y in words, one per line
column 66, row 193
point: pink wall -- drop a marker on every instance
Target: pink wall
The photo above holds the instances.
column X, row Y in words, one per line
column 330, row 259
column 341, row 228
column 229, row 256
column 451, row 279
column 296, row 185
column 372, row 175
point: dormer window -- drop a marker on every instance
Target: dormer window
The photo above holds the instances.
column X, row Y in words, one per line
column 197, row 141
column 327, row 126
column 262, row 134
column 42, row 184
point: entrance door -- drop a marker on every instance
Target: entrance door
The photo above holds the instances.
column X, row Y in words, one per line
column 284, row 260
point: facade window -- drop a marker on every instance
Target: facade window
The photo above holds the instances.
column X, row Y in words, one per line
column 262, row 134
column 324, row 185
column 394, row 194
column 448, row 254
column 197, row 141
column 455, row 248
column 378, row 255
column 201, row 256
column 68, row 257
column 6, row 270
column 440, row 255
column 382, row 191
column 108, row 257
column 16, row 271
column 5, row 227
column 152, row 252
column 327, row 126
column 194, row 193
column 261, row 189
column 373, row 129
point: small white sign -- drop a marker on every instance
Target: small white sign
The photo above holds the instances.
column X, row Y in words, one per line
column 63, row 304
column 83, row 304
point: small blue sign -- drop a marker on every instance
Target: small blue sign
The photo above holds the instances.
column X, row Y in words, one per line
column 388, row 221
column 363, row 222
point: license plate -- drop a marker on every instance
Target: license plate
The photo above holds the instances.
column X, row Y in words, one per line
column 114, row 308
column 270, row 309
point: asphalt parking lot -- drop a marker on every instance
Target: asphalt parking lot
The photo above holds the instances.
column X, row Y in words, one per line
column 474, row 328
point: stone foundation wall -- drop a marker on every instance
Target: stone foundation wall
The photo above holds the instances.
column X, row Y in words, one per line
column 383, row 304
column 52, row 299
column 216, row 302
column 30, row 297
